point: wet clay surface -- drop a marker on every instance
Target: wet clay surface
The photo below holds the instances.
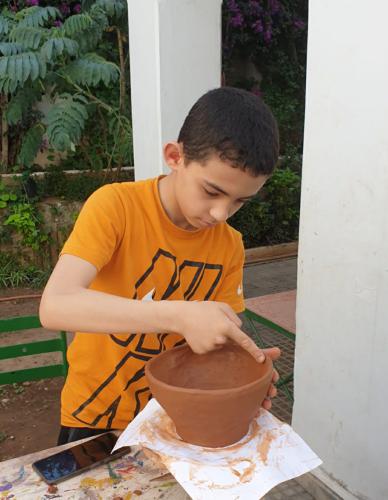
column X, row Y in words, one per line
column 227, row 368
column 202, row 416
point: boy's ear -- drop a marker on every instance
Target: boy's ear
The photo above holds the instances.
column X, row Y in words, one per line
column 173, row 155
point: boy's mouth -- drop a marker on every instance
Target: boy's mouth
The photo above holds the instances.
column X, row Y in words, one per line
column 207, row 223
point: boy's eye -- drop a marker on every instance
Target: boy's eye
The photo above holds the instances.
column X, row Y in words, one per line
column 210, row 193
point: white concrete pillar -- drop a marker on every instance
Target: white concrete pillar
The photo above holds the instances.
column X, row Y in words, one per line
column 175, row 57
column 341, row 373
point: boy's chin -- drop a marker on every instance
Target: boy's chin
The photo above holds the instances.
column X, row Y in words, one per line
column 194, row 224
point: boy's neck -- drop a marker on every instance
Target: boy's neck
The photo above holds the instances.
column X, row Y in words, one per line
column 169, row 203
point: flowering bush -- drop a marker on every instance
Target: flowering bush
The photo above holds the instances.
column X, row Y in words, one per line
column 271, row 34
column 256, row 25
column 66, row 7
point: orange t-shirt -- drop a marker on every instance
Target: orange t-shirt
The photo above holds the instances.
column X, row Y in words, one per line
column 140, row 254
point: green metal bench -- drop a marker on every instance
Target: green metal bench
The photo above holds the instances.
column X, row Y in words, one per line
column 58, row 344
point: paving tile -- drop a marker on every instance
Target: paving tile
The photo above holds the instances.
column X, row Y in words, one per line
column 263, row 279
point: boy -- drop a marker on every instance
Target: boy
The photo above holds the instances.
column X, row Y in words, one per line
column 158, row 256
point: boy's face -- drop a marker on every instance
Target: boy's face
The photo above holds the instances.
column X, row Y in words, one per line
column 205, row 194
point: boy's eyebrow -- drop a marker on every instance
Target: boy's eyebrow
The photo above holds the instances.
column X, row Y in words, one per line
column 220, row 190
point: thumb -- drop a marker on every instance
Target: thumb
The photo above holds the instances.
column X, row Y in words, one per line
column 246, row 343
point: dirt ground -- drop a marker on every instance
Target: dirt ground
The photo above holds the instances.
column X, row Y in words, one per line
column 29, row 412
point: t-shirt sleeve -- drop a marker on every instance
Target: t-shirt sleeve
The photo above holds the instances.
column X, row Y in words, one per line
column 231, row 288
column 98, row 229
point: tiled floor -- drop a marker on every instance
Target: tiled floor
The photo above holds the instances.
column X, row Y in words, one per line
column 263, row 279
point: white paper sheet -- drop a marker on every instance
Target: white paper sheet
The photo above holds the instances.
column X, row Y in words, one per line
column 269, row 454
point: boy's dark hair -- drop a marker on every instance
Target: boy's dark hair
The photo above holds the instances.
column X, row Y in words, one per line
column 235, row 124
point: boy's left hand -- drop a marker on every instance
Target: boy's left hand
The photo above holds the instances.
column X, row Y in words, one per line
column 274, row 354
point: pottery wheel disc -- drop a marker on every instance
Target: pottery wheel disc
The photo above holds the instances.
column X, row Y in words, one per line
column 160, row 431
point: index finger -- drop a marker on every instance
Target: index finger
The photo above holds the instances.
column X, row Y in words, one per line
column 243, row 340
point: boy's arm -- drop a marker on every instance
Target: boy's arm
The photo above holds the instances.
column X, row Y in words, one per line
column 68, row 304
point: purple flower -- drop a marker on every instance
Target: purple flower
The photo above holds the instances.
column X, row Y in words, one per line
column 31, row 3
column 237, row 21
column 233, row 7
column 299, row 24
column 274, row 6
column 64, row 8
column 257, row 26
column 255, row 7
column 77, row 8
column 57, row 23
column 267, row 34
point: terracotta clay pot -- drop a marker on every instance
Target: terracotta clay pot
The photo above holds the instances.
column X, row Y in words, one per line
column 212, row 398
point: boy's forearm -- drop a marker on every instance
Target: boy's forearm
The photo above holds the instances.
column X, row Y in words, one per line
column 92, row 311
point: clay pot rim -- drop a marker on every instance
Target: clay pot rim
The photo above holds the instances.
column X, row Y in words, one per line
column 213, row 392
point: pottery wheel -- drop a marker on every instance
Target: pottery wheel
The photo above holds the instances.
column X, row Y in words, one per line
column 161, row 429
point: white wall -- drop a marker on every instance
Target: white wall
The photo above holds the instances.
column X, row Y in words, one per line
column 175, row 57
column 341, row 374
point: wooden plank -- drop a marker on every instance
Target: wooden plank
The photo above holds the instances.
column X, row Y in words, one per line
column 272, row 252
column 14, row 351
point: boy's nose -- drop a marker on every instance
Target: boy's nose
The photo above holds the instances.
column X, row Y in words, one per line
column 219, row 213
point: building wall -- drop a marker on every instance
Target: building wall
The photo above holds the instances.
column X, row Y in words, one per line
column 341, row 371
column 175, row 54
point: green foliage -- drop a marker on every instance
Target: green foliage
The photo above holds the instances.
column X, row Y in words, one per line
column 75, row 187
column 114, row 8
column 31, row 144
column 283, row 191
column 271, row 39
column 25, row 219
column 37, row 16
column 91, row 70
column 4, row 25
column 14, row 273
column 5, row 196
column 64, row 62
column 10, row 48
column 273, row 216
column 29, row 38
column 253, row 221
column 57, row 46
column 121, row 129
column 77, row 24
column 21, row 103
column 18, row 68
column 66, row 121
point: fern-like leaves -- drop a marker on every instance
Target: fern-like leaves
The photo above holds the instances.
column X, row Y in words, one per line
column 114, row 8
column 7, row 86
column 58, row 46
column 31, row 144
column 35, row 17
column 4, row 26
column 77, row 23
column 10, row 49
column 91, row 70
column 19, row 67
column 29, row 37
column 66, row 121
column 21, row 103
column 121, row 129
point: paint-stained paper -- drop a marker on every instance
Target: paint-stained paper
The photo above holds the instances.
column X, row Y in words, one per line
column 269, row 454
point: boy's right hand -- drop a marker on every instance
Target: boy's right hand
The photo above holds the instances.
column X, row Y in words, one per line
column 209, row 325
